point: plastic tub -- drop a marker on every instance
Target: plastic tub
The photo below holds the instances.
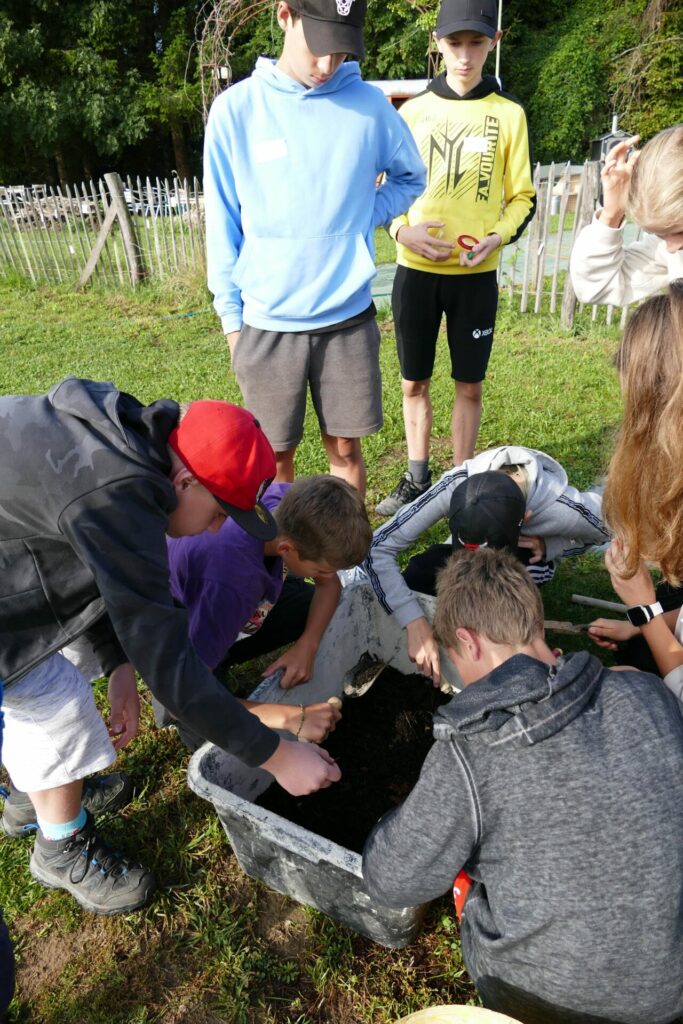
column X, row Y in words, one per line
column 296, row 862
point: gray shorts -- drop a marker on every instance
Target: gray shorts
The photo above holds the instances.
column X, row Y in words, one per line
column 54, row 733
column 274, row 370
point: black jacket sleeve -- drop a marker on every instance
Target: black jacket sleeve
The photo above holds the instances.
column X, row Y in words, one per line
column 105, row 645
column 119, row 532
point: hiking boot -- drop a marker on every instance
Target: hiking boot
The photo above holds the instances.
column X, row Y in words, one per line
column 100, row 795
column 405, row 491
column 98, row 878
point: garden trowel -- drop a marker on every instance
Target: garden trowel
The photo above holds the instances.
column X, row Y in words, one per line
column 360, row 678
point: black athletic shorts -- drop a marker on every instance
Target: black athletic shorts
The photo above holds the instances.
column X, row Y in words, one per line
column 419, row 300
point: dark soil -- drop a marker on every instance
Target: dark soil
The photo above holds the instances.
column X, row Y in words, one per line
column 380, row 746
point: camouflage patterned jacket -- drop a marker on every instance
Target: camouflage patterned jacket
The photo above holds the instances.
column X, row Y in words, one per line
column 84, row 506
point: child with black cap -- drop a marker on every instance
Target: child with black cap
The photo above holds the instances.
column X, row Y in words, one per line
column 474, row 139
column 291, row 160
column 488, row 500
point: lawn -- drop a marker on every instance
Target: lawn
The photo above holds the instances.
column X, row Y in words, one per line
column 215, row 946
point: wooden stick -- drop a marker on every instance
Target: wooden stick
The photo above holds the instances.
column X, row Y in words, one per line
column 596, row 602
column 572, row 628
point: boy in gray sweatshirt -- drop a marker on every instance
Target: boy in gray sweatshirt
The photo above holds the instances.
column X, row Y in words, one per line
column 556, row 786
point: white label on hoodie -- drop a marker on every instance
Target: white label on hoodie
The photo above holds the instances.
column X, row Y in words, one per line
column 270, row 149
column 475, row 144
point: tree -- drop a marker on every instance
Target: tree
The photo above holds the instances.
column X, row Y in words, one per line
column 173, row 98
column 65, row 93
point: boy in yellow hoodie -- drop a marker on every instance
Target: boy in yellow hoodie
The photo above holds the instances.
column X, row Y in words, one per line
column 474, row 140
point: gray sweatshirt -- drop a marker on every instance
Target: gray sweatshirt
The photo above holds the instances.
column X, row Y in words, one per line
column 569, row 521
column 559, row 792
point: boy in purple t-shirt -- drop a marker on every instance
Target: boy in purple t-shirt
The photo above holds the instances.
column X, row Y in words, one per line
column 246, row 597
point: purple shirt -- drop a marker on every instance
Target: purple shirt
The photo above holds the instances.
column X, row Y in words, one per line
column 224, row 582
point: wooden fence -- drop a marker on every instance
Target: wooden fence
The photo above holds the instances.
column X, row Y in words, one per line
column 112, row 230
column 123, row 231
column 535, row 270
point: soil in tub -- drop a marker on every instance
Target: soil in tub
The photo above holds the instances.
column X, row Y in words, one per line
column 380, row 745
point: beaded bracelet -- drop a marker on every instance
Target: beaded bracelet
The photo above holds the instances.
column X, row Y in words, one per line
column 301, row 722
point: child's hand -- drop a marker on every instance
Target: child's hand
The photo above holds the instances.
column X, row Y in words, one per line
column 319, row 721
column 124, row 704
column 616, row 181
column 536, row 545
column 232, row 337
column 418, row 239
column 297, row 663
column 610, row 633
column 302, row 768
column 481, row 251
column 423, row 649
column 638, row 589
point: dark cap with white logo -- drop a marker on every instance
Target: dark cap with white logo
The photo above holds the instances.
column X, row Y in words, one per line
column 332, row 26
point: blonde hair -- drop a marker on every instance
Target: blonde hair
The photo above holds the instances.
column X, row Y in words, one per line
column 519, row 473
column 326, row 519
column 643, row 499
column 655, row 199
column 488, row 591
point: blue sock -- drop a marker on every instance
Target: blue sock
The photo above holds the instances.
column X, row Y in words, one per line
column 419, row 470
column 69, row 828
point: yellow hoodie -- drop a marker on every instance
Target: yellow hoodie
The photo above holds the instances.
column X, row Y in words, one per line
column 477, row 153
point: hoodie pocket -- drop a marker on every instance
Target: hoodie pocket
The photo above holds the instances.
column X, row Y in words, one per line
column 299, row 278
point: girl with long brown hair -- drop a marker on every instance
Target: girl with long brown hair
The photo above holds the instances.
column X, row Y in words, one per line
column 643, row 500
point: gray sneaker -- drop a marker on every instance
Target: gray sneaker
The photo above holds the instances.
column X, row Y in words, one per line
column 98, row 878
column 405, row 491
column 102, row 794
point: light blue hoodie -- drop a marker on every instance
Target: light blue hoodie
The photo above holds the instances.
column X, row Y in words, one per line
column 291, row 199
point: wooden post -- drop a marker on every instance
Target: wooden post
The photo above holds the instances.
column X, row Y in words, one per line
column 130, row 242
column 97, row 248
column 564, row 201
column 540, row 262
column 530, row 243
column 152, row 215
column 117, row 210
column 584, row 214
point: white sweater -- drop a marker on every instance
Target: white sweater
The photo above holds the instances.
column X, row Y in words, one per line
column 605, row 271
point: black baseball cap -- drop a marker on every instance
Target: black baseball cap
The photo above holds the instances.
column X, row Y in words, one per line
column 487, row 510
column 332, row 26
column 467, row 15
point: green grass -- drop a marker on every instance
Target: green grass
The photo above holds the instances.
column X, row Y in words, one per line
column 554, row 222
column 215, row 946
column 385, row 247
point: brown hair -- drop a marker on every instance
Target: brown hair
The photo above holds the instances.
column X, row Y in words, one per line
column 643, row 499
column 490, row 592
column 655, row 199
column 326, row 519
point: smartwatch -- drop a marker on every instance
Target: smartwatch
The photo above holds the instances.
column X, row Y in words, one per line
column 641, row 614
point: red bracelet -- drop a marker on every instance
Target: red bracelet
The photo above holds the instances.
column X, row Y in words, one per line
column 467, row 242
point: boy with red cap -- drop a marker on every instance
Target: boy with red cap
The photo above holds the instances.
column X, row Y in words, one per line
column 93, row 481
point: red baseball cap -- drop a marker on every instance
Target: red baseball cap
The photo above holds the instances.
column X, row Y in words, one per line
column 225, row 448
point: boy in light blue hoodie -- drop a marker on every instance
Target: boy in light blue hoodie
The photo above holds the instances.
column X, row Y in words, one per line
column 291, row 160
